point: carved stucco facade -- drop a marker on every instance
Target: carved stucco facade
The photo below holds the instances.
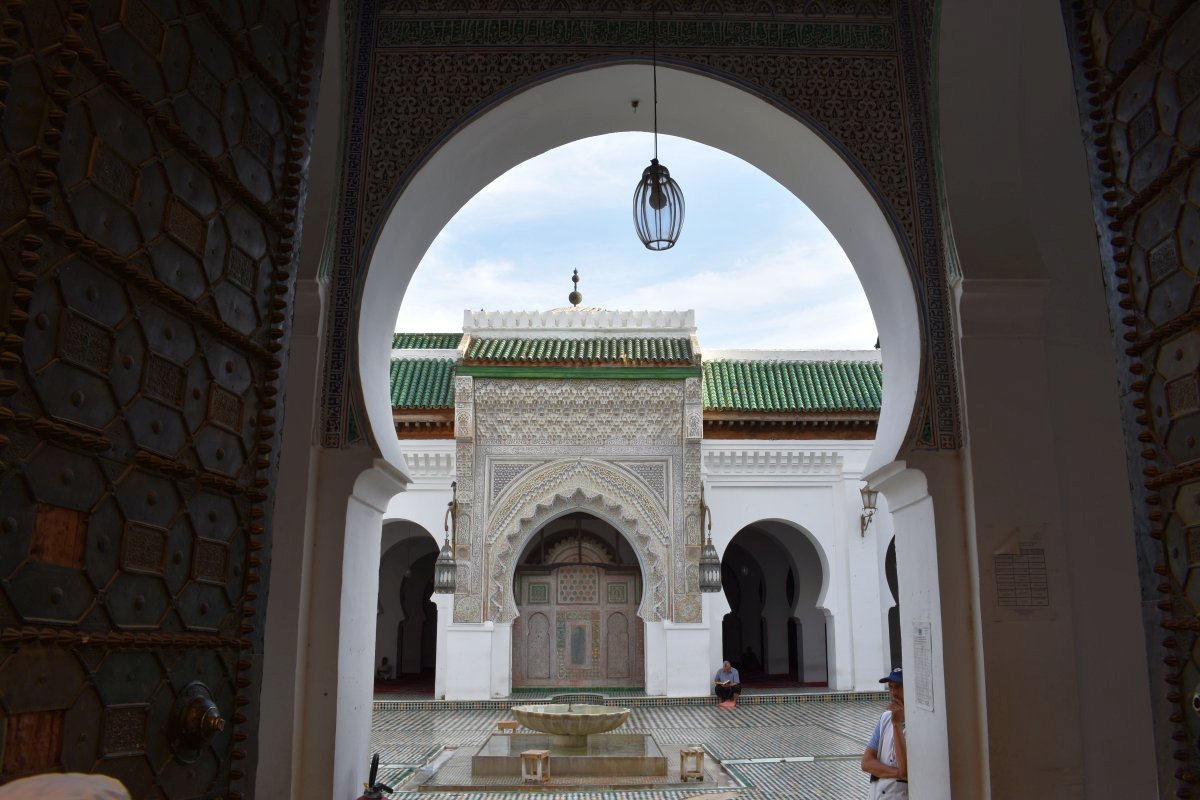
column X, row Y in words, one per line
column 529, row 451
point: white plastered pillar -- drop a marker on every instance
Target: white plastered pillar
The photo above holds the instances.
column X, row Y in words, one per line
column 715, row 606
column 656, row 659
column 445, row 612
column 925, row 698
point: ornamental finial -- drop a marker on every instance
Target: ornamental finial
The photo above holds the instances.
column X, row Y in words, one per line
column 575, row 297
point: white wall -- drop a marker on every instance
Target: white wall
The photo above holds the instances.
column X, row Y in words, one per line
column 811, row 488
column 794, row 491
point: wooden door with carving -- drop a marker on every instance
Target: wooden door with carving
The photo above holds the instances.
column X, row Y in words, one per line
column 151, row 185
column 578, row 624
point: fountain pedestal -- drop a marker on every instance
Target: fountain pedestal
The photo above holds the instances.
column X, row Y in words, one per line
column 571, row 732
column 612, row 754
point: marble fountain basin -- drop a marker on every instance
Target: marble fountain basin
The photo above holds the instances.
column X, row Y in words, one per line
column 570, row 724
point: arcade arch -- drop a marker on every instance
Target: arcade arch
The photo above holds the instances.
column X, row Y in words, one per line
column 406, row 624
column 774, row 579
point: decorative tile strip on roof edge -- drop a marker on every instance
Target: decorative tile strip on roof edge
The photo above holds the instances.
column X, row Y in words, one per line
column 426, row 341
column 632, row 351
column 577, row 322
column 792, row 386
column 422, row 383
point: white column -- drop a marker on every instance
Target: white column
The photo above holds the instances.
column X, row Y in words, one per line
column 921, row 623
column 501, row 661
column 468, row 669
column 656, row 659
column 687, row 648
column 716, row 606
column 445, row 609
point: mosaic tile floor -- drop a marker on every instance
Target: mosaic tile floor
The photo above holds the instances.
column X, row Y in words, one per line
column 804, row 749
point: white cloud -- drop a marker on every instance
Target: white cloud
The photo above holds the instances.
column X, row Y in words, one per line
column 759, row 269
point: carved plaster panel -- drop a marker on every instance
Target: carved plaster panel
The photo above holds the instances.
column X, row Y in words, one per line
column 504, row 472
column 537, row 442
column 586, row 413
column 653, row 474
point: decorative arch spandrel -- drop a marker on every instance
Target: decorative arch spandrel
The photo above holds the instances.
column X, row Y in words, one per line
column 613, row 494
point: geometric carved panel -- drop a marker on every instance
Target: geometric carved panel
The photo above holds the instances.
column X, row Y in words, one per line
column 165, row 380
column 86, row 343
column 124, row 730
column 224, row 408
column 144, row 549
column 209, row 561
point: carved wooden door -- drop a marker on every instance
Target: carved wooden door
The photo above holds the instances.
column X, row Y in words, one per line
column 150, row 195
column 578, row 626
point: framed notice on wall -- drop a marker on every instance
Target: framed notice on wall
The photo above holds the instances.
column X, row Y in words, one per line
column 920, row 690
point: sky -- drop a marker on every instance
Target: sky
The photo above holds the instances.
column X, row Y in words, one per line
column 758, row 268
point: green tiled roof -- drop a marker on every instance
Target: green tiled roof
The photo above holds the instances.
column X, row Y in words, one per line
column 422, row 383
column 783, row 386
column 643, row 351
column 425, row 341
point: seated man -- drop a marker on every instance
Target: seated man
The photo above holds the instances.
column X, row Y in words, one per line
column 728, row 685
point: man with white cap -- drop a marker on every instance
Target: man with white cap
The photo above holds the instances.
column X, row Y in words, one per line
column 886, row 757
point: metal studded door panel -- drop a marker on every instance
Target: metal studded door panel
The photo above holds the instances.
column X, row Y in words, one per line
column 1137, row 69
column 150, row 188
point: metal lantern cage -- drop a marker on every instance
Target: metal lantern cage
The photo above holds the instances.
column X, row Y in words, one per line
column 710, row 568
column 445, row 571
column 658, row 208
column 710, row 562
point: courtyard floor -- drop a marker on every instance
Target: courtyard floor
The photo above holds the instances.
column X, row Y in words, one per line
column 801, row 746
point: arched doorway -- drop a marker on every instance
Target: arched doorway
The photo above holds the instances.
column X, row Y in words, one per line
column 775, row 630
column 406, row 618
column 577, row 587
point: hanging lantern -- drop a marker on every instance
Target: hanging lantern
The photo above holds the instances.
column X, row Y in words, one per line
column 658, row 208
column 710, row 568
column 710, row 562
column 445, row 571
column 657, row 200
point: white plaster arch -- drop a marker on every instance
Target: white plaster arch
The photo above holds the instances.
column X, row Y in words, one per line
column 399, row 530
column 606, row 491
column 596, row 101
column 822, row 556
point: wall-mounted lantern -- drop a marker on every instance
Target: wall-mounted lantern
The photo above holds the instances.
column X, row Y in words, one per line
column 710, row 562
column 445, row 569
column 869, row 496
